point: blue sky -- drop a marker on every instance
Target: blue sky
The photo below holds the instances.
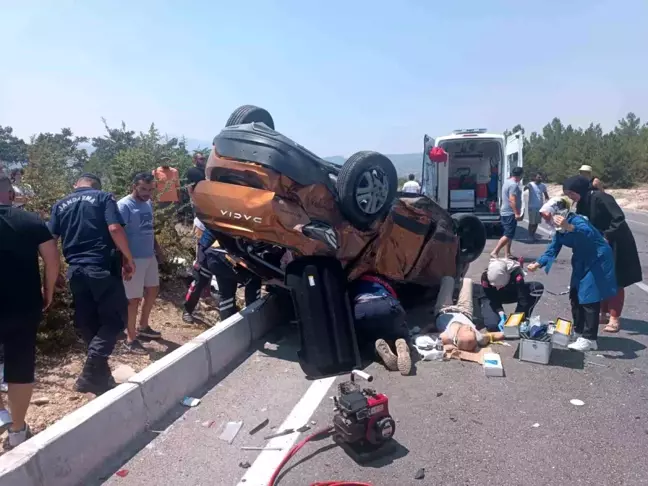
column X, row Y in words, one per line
column 337, row 76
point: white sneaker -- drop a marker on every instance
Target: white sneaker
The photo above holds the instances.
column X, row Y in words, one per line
column 582, row 344
column 20, row 436
column 5, row 420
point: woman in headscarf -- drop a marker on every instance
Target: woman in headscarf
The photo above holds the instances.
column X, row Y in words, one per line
column 593, row 279
column 503, row 283
column 605, row 215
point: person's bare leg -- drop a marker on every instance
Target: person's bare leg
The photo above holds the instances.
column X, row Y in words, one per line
column 507, row 248
column 131, row 329
column 503, row 241
column 19, row 397
column 150, row 294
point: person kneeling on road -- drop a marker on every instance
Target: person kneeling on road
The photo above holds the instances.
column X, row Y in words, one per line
column 379, row 321
column 455, row 322
column 503, row 283
column 213, row 260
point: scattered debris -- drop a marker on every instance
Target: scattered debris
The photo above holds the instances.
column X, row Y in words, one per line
column 476, row 422
column 420, row 474
column 190, row 401
column 279, row 434
column 208, row 424
column 73, row 398
column 230, row 431
column 40, row 401
column 264, row 409
column 439, row 394
column 313, row 423
column 577, row 402
column 270, row 346
column 261, row 448
column 303, row 428
column 536, row 425
column 260, row 426
column 122, row 473
column 596, row 364
column 245, row 465
column 454, row 419
column 122, row 373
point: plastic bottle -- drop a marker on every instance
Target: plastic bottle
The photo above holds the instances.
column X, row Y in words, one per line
column 438, row 351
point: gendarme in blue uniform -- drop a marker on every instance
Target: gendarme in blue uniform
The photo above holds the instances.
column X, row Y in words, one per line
column 81, row 219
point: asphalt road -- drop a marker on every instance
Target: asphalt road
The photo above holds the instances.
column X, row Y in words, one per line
column 461, row 426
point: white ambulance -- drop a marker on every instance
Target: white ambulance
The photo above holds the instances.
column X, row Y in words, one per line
column 470, row 179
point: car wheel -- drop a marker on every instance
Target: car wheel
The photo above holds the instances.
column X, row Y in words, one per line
column 250, row 114
column 366, row 185
column 472, row 236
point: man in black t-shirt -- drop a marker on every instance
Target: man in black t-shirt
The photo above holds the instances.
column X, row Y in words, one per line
column 196, row 173
column 96, row 249
column 23, row 236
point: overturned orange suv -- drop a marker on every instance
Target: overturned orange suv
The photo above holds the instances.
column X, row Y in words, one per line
column 271, row 201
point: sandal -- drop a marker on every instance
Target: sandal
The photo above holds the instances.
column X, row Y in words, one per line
column 613, row 326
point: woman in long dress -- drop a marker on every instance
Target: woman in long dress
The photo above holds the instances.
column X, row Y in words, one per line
column 605, row 215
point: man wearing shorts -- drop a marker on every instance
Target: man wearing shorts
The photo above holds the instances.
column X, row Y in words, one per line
column 537, row 197
column 137, row 212
column 23, row 236
column 510, row 212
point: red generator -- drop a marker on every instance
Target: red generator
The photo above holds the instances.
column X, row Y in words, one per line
column 362, row 423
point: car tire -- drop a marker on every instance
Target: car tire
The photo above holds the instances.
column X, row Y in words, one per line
column 472, row 236
column 250, row 114
column 367, row 185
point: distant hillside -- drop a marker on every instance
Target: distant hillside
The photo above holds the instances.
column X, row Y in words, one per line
column 405, row 163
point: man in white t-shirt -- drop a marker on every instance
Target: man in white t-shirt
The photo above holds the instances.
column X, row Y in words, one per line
column 411, row 186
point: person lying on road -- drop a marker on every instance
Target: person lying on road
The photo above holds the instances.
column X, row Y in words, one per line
column 455, row 322
column 503, row 283
column 380, row 322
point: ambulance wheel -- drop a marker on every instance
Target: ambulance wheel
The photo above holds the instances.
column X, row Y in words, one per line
column 472, row 236
column 366, row 185
column 250, row 114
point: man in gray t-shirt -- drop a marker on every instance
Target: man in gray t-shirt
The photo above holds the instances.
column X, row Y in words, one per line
column 137, row 212
column 510, row 212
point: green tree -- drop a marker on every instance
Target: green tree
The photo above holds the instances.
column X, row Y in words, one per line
column 13, row 150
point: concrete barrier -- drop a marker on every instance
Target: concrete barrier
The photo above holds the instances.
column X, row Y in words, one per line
column 65, row 453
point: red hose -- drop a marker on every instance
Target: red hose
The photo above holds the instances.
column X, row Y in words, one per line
column 294, row 451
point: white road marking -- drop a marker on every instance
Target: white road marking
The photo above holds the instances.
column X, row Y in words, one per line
column 641, row 285
column 267, row 461
column 636, row 222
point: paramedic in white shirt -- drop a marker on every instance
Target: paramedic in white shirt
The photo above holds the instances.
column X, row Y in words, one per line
column 412, row 186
